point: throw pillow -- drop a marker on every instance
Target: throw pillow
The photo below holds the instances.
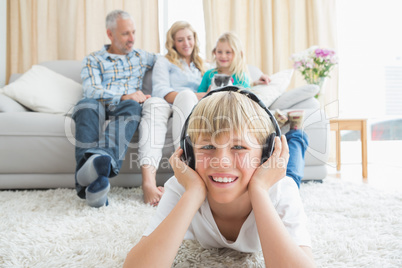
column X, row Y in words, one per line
column 294, row 96
column 279, row 83
column 43, row 90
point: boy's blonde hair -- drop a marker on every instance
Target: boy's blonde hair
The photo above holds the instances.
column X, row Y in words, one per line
column 172, row 54
column 238, row 66
column 223, row 112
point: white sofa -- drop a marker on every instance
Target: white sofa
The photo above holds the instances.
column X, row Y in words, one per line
column 37, row 149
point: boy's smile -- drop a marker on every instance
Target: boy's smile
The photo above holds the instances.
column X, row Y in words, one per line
column 226, row 164
column 222, row 180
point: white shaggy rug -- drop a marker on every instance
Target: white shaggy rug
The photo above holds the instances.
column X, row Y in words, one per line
column 352, row 225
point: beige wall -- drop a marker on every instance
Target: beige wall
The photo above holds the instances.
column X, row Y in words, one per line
column 3, row 41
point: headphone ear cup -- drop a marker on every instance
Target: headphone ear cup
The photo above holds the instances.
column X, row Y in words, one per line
column 268, row 147
column 188, row 153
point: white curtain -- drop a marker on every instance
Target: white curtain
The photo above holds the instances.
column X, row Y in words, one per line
column 272, row 30
column 43, row 30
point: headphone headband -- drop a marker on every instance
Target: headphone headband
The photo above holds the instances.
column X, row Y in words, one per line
column 185, row 140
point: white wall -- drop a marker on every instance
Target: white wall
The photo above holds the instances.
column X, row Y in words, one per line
column 3, row 41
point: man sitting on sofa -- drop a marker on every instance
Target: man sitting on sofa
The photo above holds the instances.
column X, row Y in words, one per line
column 112, row 83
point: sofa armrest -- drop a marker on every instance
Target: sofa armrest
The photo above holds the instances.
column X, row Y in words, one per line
column 310, row 103
column 316, row 126
column 295, row 96
column 7, row 105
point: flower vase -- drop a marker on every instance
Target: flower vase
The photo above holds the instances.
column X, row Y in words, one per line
column 320, row 83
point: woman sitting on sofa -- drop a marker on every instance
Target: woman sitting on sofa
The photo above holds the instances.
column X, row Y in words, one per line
column 175, row 80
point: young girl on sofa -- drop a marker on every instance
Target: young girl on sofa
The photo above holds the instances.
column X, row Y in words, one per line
column 230, row 60
column 230, row 199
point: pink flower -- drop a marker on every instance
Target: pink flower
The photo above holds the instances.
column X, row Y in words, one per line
column 297, row 64
column 325, row 52
column 318, row 52
column 314, row 62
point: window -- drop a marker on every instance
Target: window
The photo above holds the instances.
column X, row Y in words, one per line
column 171, row 11
column 370, row 58
column 370, row 77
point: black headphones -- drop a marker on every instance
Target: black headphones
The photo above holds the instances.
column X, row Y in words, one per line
column 268, row 148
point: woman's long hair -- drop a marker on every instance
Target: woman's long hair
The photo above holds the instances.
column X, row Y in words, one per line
column 173, row 56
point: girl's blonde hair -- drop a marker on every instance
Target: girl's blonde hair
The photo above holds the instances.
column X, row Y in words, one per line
column 172, row 54
column 223, row 112
column 238, row 66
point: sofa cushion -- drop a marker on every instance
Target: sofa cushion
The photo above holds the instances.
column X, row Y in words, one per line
column 316, row 126
column 279, row 83
column 43, row 90
column 294, row 96
column 36, row 143
column 7, row 104
column 254, row 71
column 147, row 83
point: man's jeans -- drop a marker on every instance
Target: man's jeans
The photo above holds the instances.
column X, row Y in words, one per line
column 298, row 143
column 91, row 138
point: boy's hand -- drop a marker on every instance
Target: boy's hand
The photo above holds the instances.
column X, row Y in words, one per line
column 187, row 176
column 272, row 170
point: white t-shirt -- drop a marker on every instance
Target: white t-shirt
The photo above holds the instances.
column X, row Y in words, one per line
column 285, row 198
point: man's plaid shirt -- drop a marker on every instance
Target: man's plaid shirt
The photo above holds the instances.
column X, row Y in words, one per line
column 106, row 77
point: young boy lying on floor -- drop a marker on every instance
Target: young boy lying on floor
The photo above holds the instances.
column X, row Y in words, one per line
column 224, row 196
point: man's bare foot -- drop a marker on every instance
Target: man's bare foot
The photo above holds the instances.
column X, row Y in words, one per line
column 152, row 193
